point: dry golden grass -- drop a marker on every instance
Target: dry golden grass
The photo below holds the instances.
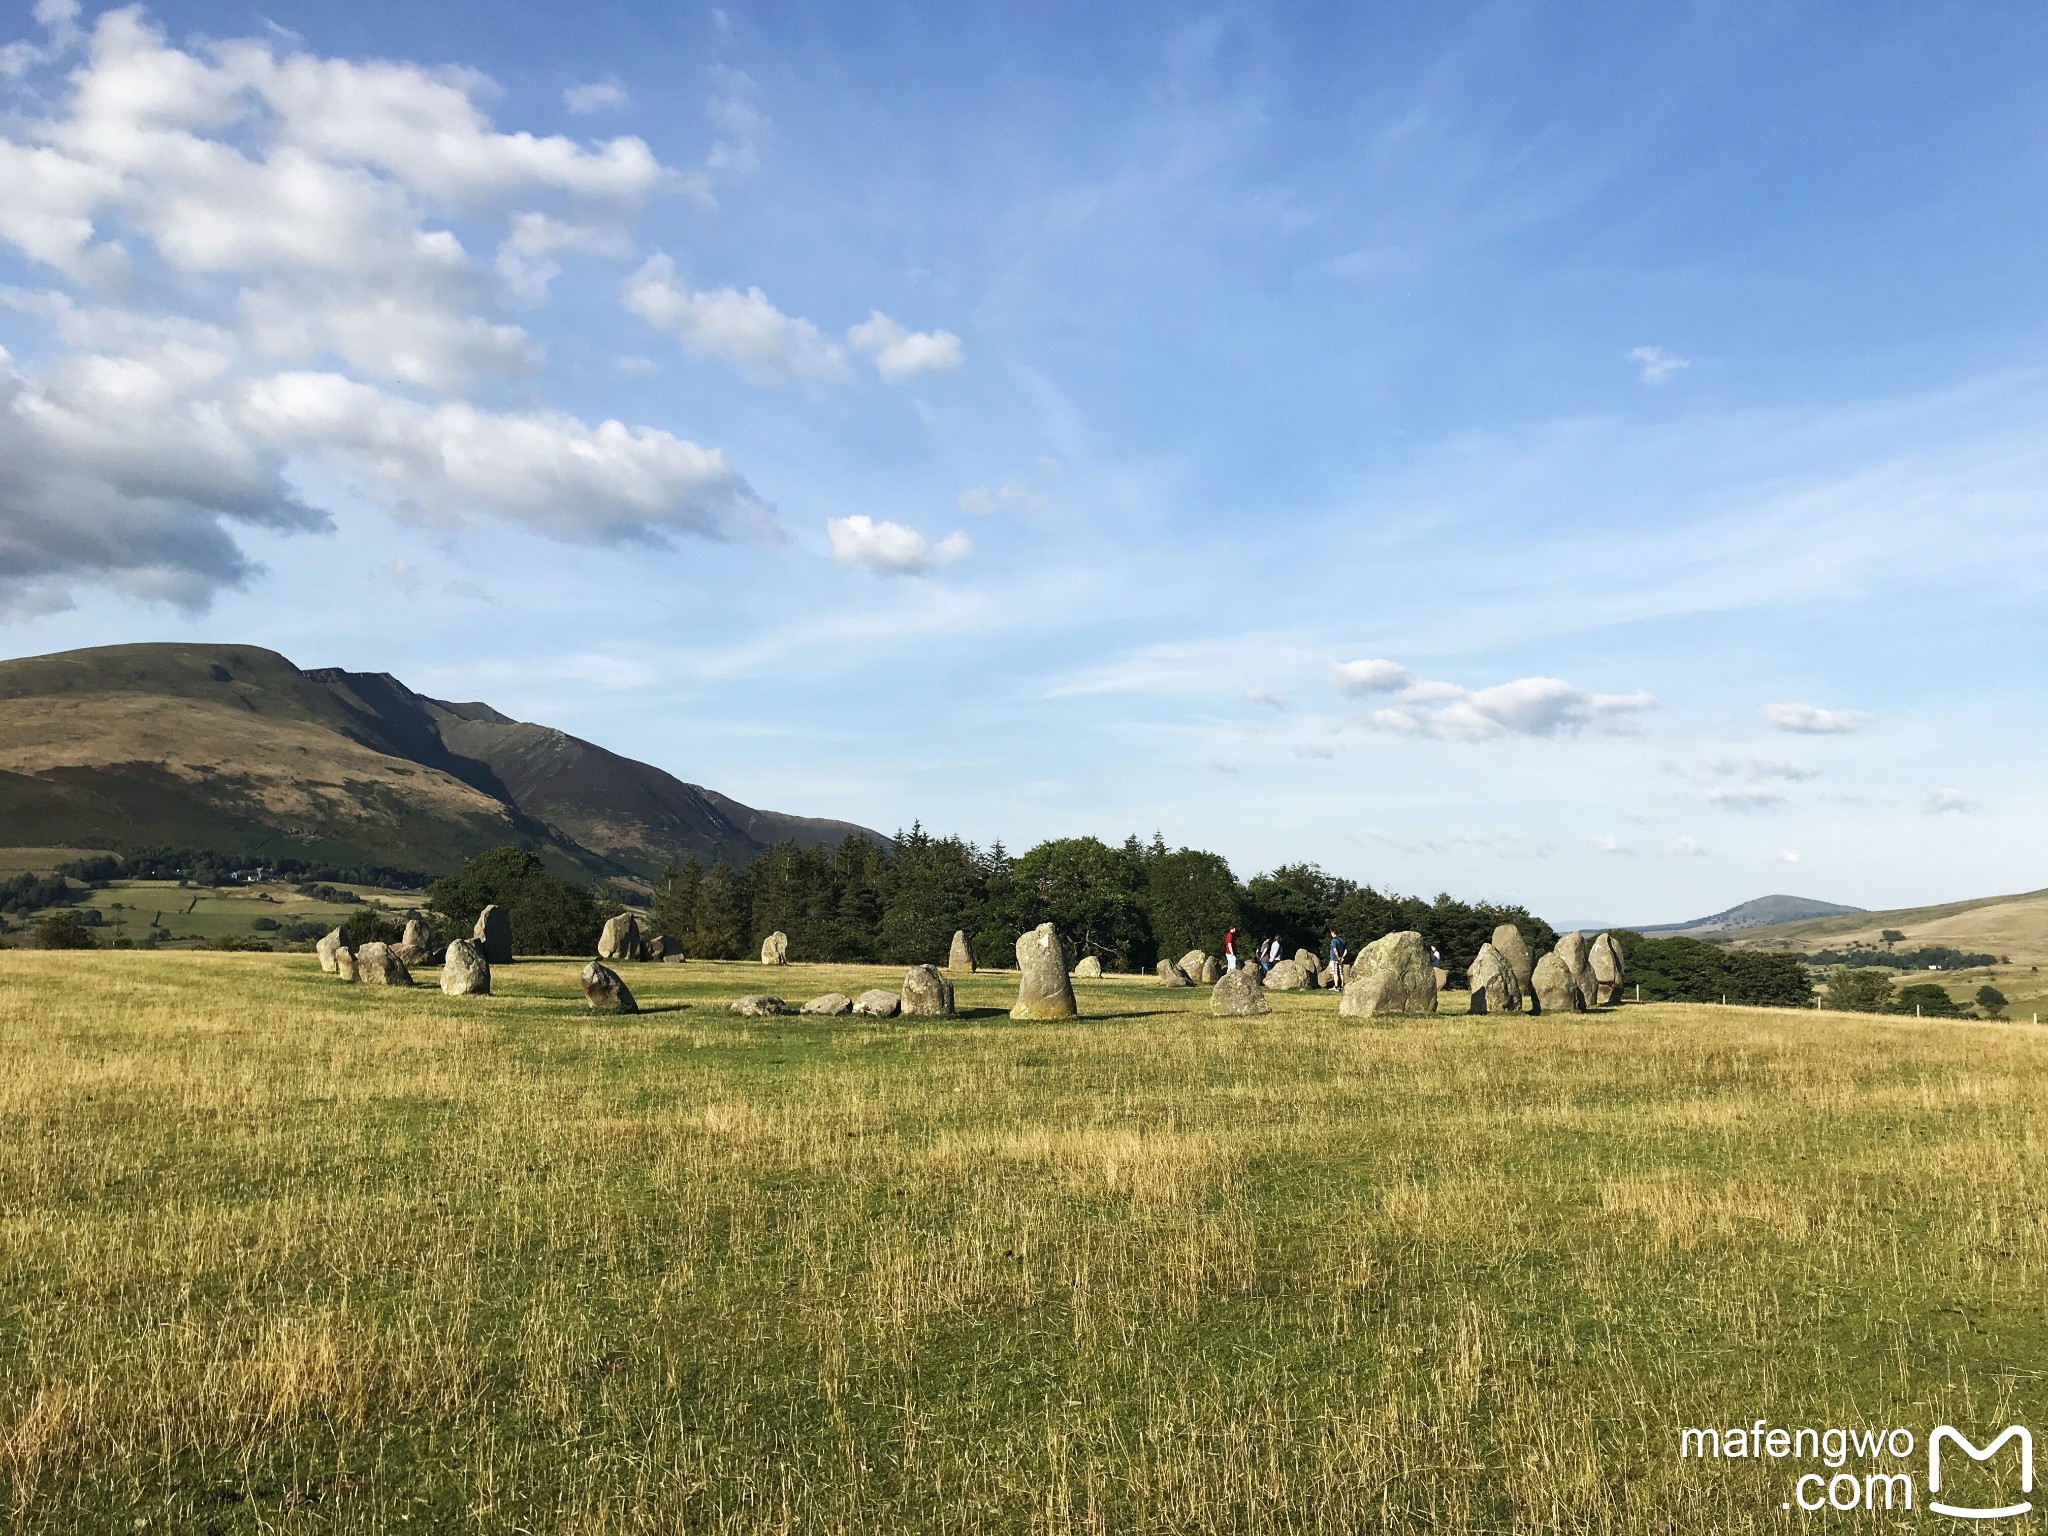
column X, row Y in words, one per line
column 278, row 1253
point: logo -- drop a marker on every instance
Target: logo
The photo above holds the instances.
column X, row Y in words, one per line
column 1969, row 1512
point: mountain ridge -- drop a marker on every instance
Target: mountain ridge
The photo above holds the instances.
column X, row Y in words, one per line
column 236, row 748
column 1760, row 912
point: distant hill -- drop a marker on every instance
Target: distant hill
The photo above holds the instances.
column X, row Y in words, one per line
column 2015, row 926
column 1764, row 912
column 234, row 748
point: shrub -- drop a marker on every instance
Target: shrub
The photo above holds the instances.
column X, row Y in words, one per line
column 370, row 925
column 1859, row 990
column 1680, row 970
column 549, row 915
column 1992, row 1001
column 265, row 924
column 62, row 930
column 1926, row 999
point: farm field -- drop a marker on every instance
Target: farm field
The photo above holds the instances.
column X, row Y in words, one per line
column 203, row 914
column 278, row 1253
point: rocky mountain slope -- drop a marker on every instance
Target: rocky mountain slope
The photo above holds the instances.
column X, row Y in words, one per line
column 236, row 749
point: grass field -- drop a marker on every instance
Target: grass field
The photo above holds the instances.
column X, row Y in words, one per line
column 194, row 913
column 284, row 1254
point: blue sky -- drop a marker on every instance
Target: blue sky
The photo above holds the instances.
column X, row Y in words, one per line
column 1590, row 457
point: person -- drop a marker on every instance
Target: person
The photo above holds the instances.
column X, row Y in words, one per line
column 1436, row 959
column 1230, row 949
column 1340, row 956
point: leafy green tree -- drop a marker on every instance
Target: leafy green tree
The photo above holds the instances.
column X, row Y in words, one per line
column 1927, row 999
column 1299, row 902
column 1190, row 898
column 62, row 929
column 1089, row 892
column 1891, row 936
column 371, row 925
column 1992, row 1001
column 1680, row 970
column 1859, row 990
column 549, row 916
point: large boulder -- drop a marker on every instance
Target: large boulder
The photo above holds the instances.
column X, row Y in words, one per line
column 464, row 970
column 662, row 947
column 1575, row 952
column 414, row 948
column 1044, row 991
column 621, row 939
column 926, row 993
column 1171, row 975
column 1554, row 988
column 494, row 933
column 878, row 1004
column 1492, row 979
column 775, row 949
column 960, row 957
column 1240, row 993
column 1610, row 968
column 345, row 963
column 1288, row 976
column 761, row 1006
column 1391, row 975
column 326, row 948
column 1192, row 963
column 606, row 991
column 381, row 966
column 831, row 1005
column 1089, row 968
column 1514, row 949
column 1211, row 969
column 1311, row 966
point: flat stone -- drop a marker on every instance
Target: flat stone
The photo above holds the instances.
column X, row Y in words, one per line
column 878, row 1004
column 761, row 1006
column 832, row 1005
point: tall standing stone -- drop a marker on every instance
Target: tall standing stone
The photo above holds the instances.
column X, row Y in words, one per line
column 1044, row 991
column 960, row 957
column 1494, row 988
column 775, row 949
column 1239, row 994
column 1555, row 989
column 414, row 947
column 326, row 950
column 621, row 939
column 1192, row 963
column 494, row 933
column 464, row 970
column 1306, row 959
column 1610, row 968
column 1572, row 950
column 606, row 991
column 1514, row 949
column 1391, row 975
column 345, row 963
column 380, row 966
column 926, row 993
column 1211, row 969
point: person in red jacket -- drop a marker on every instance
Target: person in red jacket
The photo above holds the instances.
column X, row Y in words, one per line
column 1230, row 949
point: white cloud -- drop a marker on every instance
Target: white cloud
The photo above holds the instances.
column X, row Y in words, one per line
column 1943, row 800
column 1746, row 799
column 1683, row 848
column 1607, row 842
column 1810, row 720
column 899, row 353
column 544, row 471
column 1010, row 496
column 59, row 21
column 1788, row 855
column 740, row 126
column 891, row 548
column 766, row 345
column 1364, row 677
column 1655, row 365
column 1528, row 706
column 596, row 96
column 1265, row 698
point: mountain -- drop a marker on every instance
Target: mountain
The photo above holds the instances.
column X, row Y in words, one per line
column 2015, row 926
column 234, row 748
column 1763, row 912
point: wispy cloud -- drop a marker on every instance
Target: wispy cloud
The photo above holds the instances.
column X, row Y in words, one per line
column 1947, row 800
column 596, row 96
column 1010, row 496
column 1528, row 706
column 1656, row 365
column 891, row 548
column 1812, row 720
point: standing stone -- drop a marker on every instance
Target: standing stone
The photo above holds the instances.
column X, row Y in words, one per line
column 1610, row 968
column 325, row 950
column 775, row 949
column 1310, row 965
column 1171, row 975
column 1572, row 950
column 1240, row 993
column 345, row 963
column 662, row 947
column 1192, row 963
column 1089, row 969
column 1442, row 977
column 1288, row 976
column 1211, row 969
column 761, row 1006
column 1044, row 992
column 605, row 991
column 1494, row 988
column 832, row 1005
column 380, row 966
column 413, row 948
column 960, row 958
column 1554, row 988
column 621, row 939
column 926, row 993
column 879, row 1004
column 1507, row 938
column 1391, row 975
column 494, row 933
column 464, row 970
